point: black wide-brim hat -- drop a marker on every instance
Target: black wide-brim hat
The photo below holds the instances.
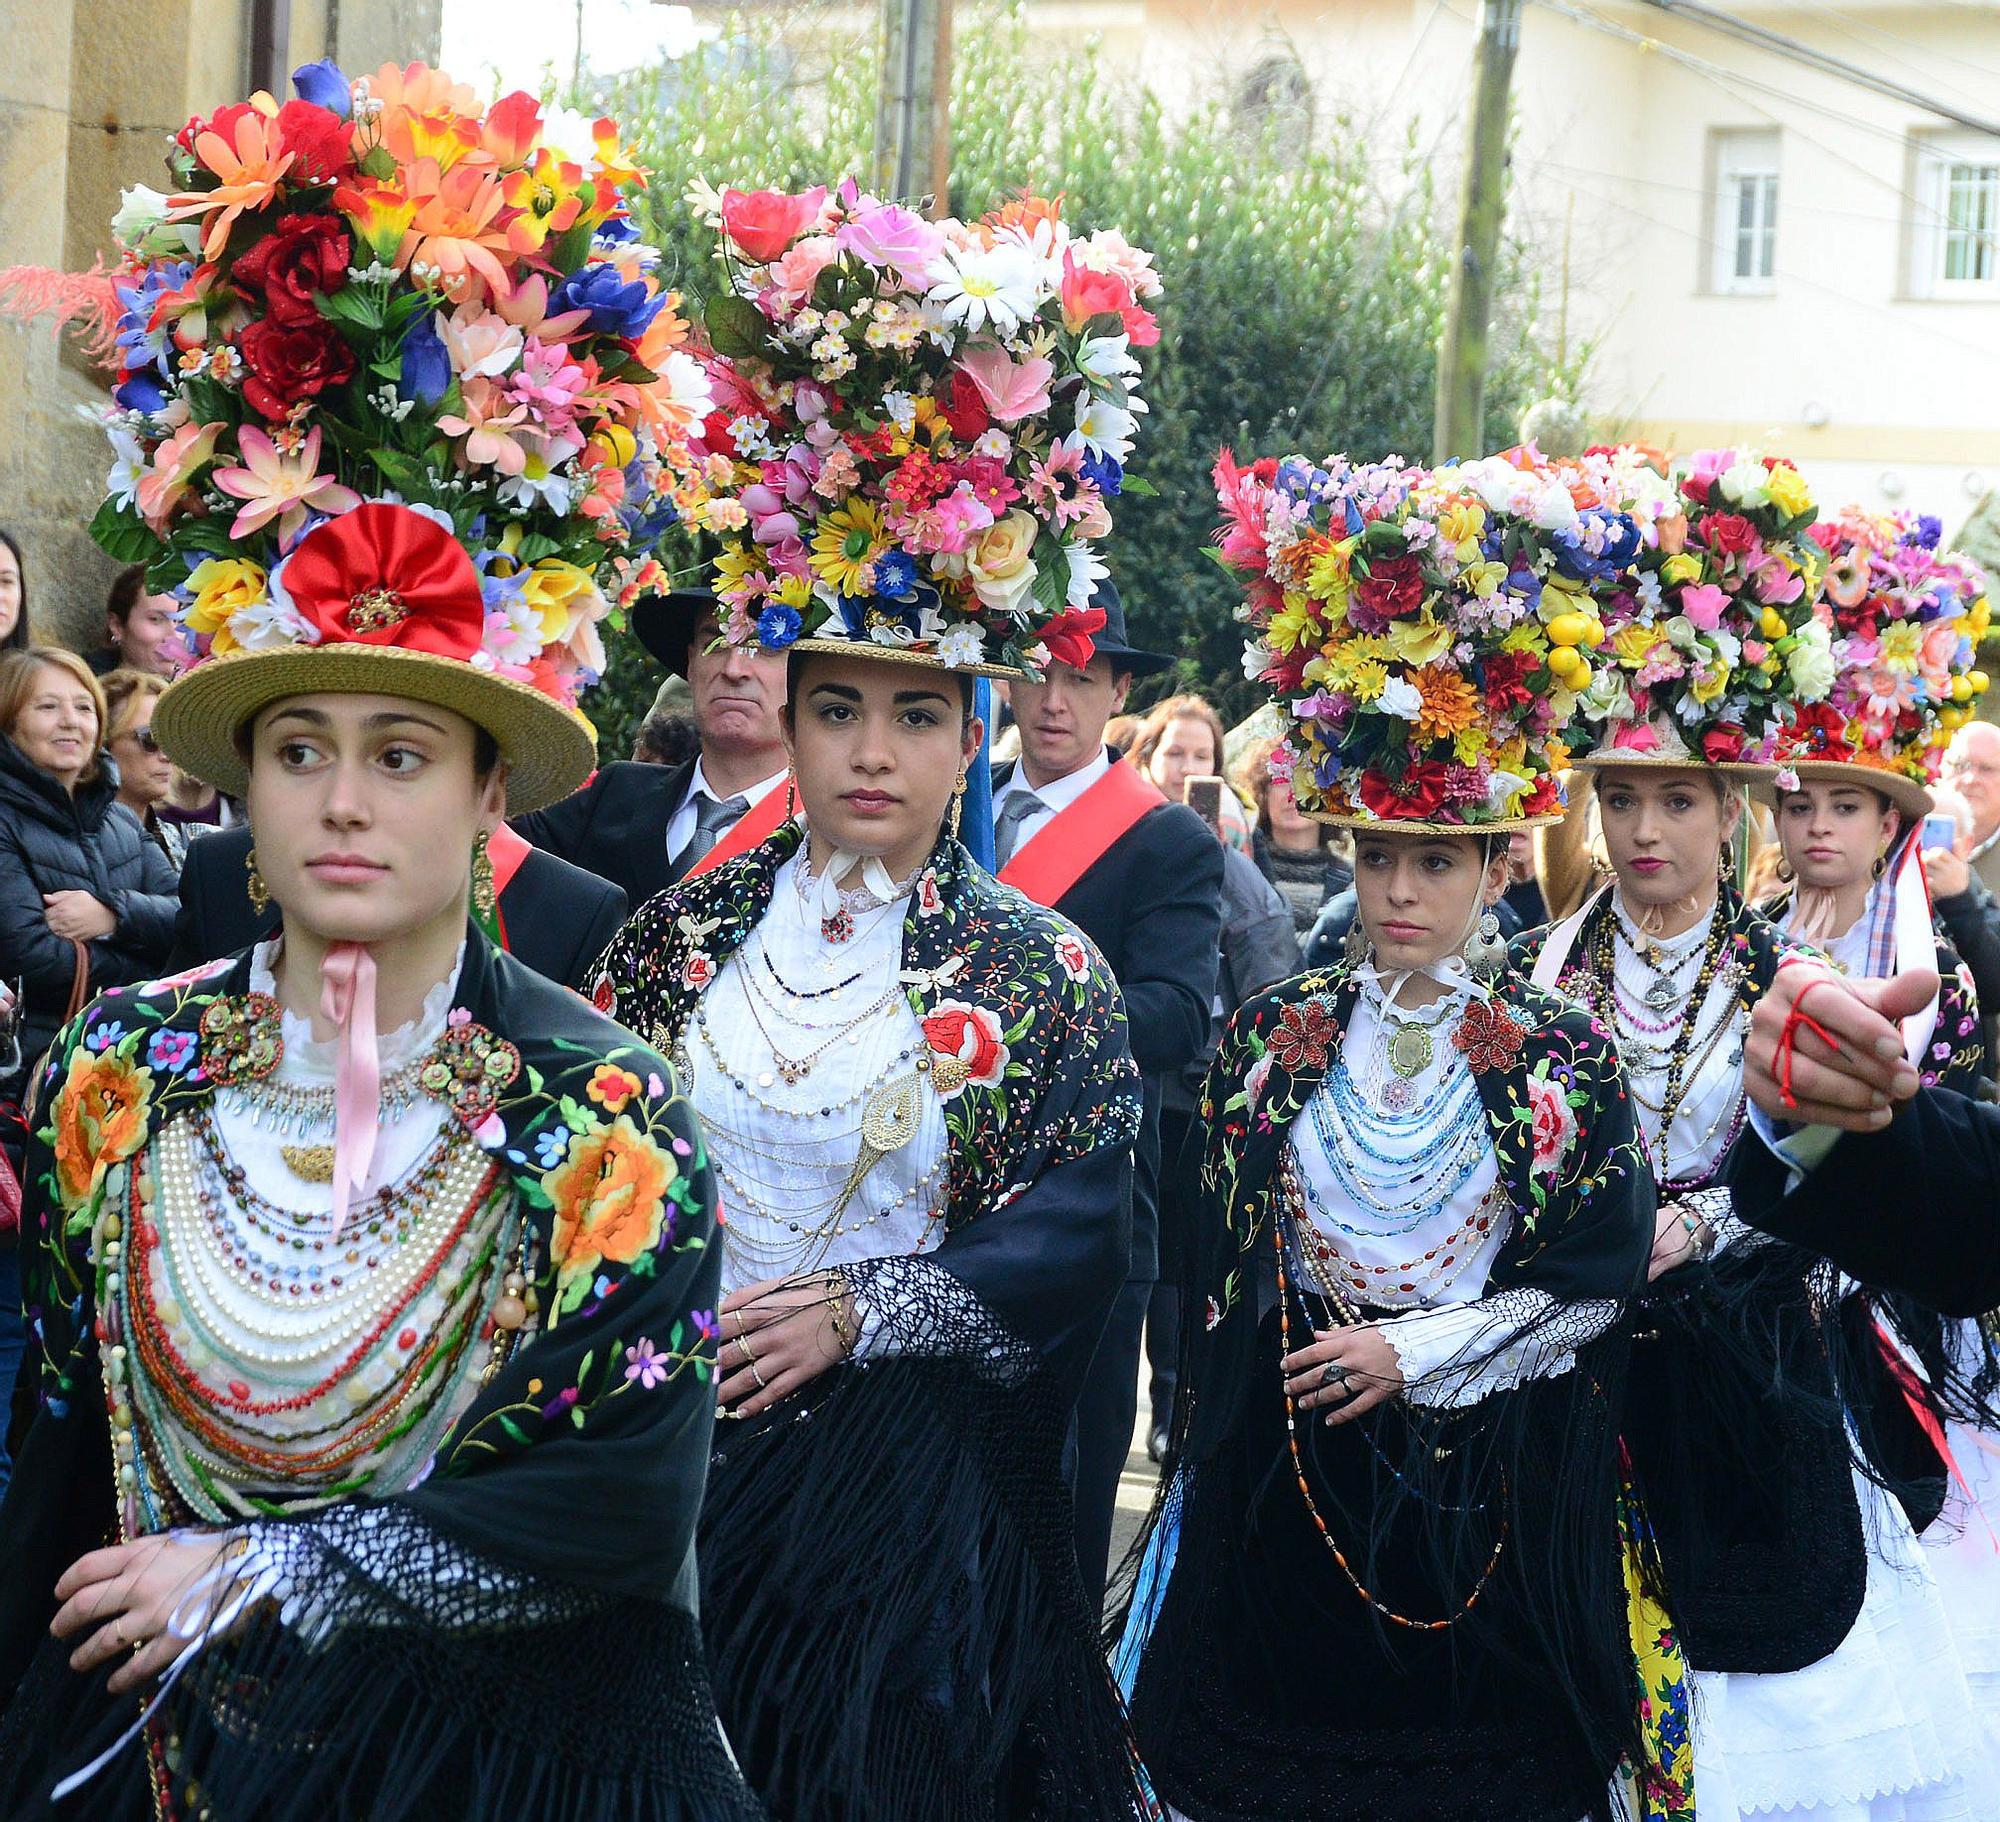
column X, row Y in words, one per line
column 1111, row 640
column 664, row 624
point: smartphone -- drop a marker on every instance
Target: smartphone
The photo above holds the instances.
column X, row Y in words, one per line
column 1940, row 831
column 1204, row 797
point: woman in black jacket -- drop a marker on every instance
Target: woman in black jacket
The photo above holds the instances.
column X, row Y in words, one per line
column 78, row 877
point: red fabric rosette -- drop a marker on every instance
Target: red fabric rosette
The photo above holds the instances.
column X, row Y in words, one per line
column 383, row 575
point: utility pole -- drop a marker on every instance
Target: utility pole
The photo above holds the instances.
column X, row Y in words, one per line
column 1458, row 426
column 913, row 103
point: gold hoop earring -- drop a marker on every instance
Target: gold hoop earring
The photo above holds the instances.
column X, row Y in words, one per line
column 484, row 898
column 260, row 894
column 957, row 814
column 1784, row 871
column 1881, row 865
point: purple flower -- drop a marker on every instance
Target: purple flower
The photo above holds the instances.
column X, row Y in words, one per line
column 894, row 238
column 102, row 1037
column 646, row 1364
column 613, row 306
column 706, row 1326
column 563, row 1401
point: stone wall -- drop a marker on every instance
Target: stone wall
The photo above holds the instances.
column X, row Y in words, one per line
column 89, row 94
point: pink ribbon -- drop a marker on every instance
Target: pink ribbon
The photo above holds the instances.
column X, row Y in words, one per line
column 347, row 1002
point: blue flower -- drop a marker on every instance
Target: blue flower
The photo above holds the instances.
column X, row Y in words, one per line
column 895, row 574
column 617, row 232
column 1105, row 473
column 324, row 86
column 613, row 306
column 1525, row 587
column 777, row 626
column 550, row 1147
column 171, row 1051
column 141, row 391
column 426, row 374
column 102, row 1037
column 1927, row 533
column 144, row 342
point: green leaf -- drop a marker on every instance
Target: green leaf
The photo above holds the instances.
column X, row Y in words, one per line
column 409, row 476
column 569, row 249
column 512, row 1430
column 735, row 326
column 1051, row 573
column 123, row 536
column 1138, row 486
column 535, row 546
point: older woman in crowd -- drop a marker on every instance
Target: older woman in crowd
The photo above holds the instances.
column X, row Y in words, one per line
column 145, row 773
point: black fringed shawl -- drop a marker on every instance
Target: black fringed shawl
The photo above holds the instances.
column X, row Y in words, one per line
column 888, row 1579
column 1265, row 1688
column 514, row 1636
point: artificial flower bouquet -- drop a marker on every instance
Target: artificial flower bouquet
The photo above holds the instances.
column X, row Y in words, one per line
column 1712, row 639
column 1424, row 632
column 920, row 425
column 380, row 291
column 1905, row 620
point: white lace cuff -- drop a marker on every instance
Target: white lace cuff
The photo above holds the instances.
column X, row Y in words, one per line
column 1459, row 1353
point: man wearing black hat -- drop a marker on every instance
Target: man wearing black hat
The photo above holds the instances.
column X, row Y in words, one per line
column 1078, row 829
column 645, row 826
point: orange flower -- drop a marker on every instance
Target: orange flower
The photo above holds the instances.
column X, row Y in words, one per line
column 422, row 90
column 1450, row 704
column 100, row 1120
column 611, row 1087
column 250, row 170
column 457, row 227
column 380, row 216
column 609, row 1195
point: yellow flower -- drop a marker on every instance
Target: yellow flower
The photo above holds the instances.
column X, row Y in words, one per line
column 1467, row 746
column 792, row 591
column 846, row 545
column 1633, row 645
column 1788, row 490
column 1461, row 524
column 1365, row 680
column 1685, row 566
column 99, row 1119
column 559, row 592
column 1484, row 579
column 1555, row 755
column 1710, row 682
column 1449, row 704
column 1419, row 641
column 1900, row 642
column 609, row 1196
column 1328, row 575
column 222, row 586
column 1292, row 625
column 734, row 562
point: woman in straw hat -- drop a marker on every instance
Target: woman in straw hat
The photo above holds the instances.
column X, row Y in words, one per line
column 372, row 1277
column 916, row 1086
column 1384, row 1578
column 1825, row 1682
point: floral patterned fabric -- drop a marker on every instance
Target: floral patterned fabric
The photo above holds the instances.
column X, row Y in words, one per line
column 605, row 1409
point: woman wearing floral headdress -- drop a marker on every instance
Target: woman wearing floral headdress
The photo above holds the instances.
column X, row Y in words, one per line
column 1825, row 1683
column 371, row 1279
column 1384, row 1579
column 916, row 1087
column 1851, row 798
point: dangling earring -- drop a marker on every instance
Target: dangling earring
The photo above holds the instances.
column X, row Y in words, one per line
column 1881, row 865
column 957, row 814
column 260, row 894
column 1725, row 868
column 1354, row 946
column 484, row 899
column 1784, row 870
column 1486, row 950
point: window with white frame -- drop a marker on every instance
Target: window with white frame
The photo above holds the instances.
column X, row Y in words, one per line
column 1955, row 238
column 1745, row 212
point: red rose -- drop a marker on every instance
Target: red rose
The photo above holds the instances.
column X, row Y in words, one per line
column 1087, row 293
column 1393, row 586
column 1545, row 799
column 321, row 143
column 1720, row 746
column 763, row 223
column 1071, row 635
column 287, row 363
column 967, row 1048
column 966, row 411
column 1416, row 797
column 222, row 121
column 1730, row 534
column 1505, row 682
column 301, row 255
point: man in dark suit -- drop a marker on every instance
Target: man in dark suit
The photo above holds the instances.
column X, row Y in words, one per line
column 644, row 826
column 1143, row 878
column 557, row 918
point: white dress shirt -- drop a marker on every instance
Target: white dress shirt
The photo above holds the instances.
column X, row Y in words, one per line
column 680, row 826
column 1055, row 796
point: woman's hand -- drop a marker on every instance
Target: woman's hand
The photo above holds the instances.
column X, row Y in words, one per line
column 120, row 1600
column 78, row 916
column 1365, row 1372
column 1853, row 1082
column 1679, row 1234
column 779, row 1336
column 1947, row 872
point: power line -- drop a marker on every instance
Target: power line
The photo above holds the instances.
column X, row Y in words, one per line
column 1860, row 31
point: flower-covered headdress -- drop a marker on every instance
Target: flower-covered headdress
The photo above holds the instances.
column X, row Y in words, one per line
column 1712, row 640
column 920, row 426
column 1906, row 619
column 1425, row 633
column 378, row 292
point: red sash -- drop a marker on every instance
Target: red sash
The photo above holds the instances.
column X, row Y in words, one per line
column 506, row 851
column 1074, row 840
column 755, row 826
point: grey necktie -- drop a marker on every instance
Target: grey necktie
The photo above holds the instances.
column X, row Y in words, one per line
column 712, row 821
column 1016, row 810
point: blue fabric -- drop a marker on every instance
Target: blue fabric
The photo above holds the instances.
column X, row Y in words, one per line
column 13, row 1343
column 976, row 821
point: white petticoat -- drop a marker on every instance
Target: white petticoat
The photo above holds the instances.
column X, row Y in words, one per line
column 1963, row 1550
column 1882, row 1729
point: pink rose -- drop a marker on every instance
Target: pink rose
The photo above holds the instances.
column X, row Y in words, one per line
column 1636, row 737
column 1553, row 1124
column 1704, row 604
column 890, row 237
column 798, row 271
column 763, row 223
